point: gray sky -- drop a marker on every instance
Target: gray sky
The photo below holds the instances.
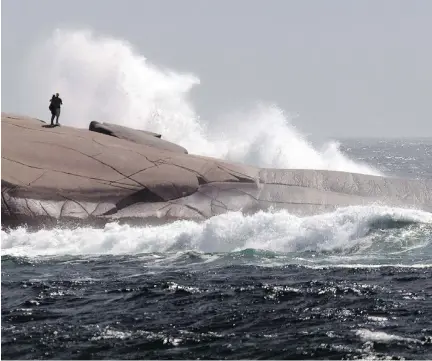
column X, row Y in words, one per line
column 348, row 68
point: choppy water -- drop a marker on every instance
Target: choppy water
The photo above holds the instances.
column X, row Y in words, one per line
column 411, row 158
column 355, row 283
column 131, row 307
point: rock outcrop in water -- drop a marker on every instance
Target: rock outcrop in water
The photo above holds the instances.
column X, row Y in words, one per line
column 110, row 172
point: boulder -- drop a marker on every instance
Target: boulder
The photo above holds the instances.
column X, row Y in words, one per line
column 136, row 136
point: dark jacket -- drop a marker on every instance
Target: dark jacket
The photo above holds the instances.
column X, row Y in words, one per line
column 56, row 102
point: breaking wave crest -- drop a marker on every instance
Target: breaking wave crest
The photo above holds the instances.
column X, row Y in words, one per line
column 106, row 79
column 357, row 229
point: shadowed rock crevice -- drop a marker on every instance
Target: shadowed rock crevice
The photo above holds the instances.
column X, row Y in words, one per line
column 77, row 203
column 142, row 196
column 5, row 206
column 201, row 180
column 240, row 176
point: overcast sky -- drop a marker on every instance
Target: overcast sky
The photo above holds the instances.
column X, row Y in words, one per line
column 348, row 68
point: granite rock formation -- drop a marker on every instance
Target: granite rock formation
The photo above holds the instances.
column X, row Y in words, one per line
column 111, row 172
column 136, row 136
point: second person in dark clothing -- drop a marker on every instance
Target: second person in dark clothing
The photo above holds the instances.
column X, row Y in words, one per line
column 55, row 105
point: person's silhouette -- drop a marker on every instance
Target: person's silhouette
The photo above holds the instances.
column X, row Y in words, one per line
column 55, row 104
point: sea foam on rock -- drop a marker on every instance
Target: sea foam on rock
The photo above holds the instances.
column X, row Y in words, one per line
column 111, row 172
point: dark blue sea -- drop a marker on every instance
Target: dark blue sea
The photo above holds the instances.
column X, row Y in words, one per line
column 355, row 283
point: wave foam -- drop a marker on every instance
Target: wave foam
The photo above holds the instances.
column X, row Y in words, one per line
column 382, row 337
column 345, row 230
column 105, row 79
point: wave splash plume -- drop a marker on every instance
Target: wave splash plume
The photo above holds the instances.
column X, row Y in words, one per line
column 106, row 79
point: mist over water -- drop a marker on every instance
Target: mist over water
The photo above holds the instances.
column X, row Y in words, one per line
column 106, row 79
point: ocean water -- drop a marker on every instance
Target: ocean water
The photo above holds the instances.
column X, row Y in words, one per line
column 353, row 283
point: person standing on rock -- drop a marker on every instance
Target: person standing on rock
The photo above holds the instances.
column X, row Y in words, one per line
column 55, row 104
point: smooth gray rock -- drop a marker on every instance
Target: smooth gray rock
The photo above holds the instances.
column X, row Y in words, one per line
column 67, row 174
column 136, row 136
